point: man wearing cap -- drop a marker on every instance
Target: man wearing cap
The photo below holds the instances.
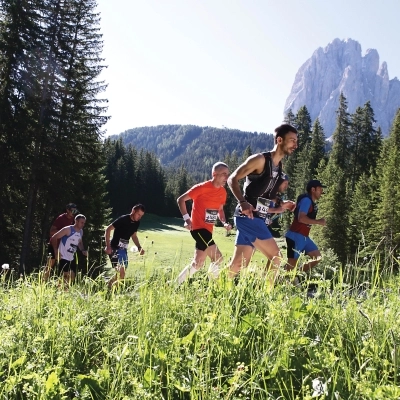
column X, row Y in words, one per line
column 262, row 172
column 305, row 215
column 63, row 220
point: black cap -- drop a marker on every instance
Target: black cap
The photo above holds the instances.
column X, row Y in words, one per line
column 314, row 183
column 69, row 206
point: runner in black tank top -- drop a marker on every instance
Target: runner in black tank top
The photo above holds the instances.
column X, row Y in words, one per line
column 262, row 173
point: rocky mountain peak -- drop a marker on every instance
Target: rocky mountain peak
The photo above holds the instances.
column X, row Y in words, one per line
column 341, row 67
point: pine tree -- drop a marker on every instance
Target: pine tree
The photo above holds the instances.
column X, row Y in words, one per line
column 50, row 55
column 389, row 191
column 375, row 137
column 289, row 117
column 363, row 236
column 303, row 125
column 356, row 160
column 364, row 143
column 19, row 33
column 340, row 154
column 298, row 171
column 333, row 205
column 246, row 153
column 317, row 148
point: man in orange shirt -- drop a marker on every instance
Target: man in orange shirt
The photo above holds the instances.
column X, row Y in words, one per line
column 208, row 203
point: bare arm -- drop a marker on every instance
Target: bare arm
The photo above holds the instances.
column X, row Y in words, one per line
column 107, row 238
column 135, row 240
column 61, row 233
column 288, row 205
column 309, row 221
column 81, row 247
column 182, row 208
column 285, row 205
column 222, row 218
column 254, row 164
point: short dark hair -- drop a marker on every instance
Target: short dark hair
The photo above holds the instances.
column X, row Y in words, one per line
column 139, row 206
column 284, row 129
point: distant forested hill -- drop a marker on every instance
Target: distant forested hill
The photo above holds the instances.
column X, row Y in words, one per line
column 195, row 147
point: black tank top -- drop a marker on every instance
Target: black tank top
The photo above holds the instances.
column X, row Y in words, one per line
column 264, row 184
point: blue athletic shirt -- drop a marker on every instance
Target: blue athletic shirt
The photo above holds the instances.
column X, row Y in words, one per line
column 307, row 206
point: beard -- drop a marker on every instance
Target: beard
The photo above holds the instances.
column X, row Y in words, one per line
column 287, row 151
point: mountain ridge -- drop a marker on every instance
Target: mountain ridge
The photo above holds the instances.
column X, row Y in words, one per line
column 340, row 67
column 192, row 145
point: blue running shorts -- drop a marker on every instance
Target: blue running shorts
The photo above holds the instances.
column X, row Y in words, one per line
column 298, row 243
column 248, row 230
column 119, row 257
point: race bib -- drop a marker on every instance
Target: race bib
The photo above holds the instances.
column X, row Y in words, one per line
column 210, row 216
column 123, row 243
column 72, row 248
column 262, row 207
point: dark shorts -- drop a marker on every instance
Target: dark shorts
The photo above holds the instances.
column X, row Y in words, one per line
column 203, row 238
column 67, row 266
column 119, row 258
column 50, row 250
column 298, row 243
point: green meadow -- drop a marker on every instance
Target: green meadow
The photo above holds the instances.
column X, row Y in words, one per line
column 169, row 247
column 148, row 339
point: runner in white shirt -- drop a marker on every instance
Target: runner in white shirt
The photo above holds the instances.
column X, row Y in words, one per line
column 71, row 240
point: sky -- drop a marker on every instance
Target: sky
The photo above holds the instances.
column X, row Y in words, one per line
column 226, row 63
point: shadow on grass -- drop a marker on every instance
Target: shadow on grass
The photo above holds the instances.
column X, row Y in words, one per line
column 151, row 222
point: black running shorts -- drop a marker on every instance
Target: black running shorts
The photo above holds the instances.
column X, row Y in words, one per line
column 67, row 266
column 203, row 238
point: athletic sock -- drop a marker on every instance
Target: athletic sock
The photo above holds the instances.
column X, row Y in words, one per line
column 214, row 270
column 188, row 272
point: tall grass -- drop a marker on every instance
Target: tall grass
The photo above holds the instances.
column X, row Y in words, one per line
column 149, row 339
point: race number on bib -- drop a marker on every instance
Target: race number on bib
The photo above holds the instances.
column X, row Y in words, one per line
column 210, row 216
column 72, row 248
column 123, row 243
column 262, row 207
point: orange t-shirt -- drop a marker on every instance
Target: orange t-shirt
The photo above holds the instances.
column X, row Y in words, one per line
column 207, row 200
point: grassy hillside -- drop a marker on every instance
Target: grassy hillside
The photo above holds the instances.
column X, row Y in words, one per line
column 209, row 340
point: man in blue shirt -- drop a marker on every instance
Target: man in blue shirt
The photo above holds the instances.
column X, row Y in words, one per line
column 305, row 215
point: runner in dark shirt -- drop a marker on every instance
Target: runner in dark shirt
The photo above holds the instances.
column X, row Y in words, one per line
column 261, row 172
column 125, row 227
